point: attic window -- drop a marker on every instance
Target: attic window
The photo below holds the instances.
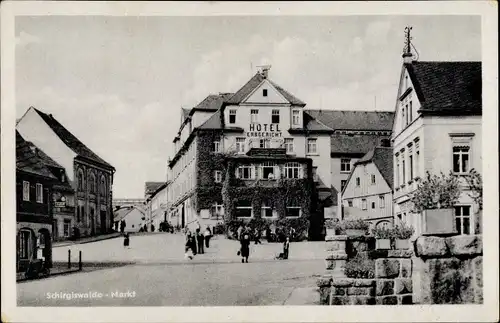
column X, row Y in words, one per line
column 264, row 92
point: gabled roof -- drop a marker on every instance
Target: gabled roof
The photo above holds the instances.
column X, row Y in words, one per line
column 121, row 213
column 70, row 140
column 354, row 144
column 28, row 161
column 382, row 158
column 354, row 120
column 253, row 83
column 151, row 187
column 213, row 102
column 447, row 87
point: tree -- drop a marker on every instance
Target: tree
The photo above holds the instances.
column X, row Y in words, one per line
column 436, row 192
column 475, row 183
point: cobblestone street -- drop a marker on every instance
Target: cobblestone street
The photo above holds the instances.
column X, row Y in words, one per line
column 161, row 276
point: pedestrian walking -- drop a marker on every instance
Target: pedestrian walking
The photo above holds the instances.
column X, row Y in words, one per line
column 122, row 226
column 257, row 236
column 188, row 248
column 200, row 238
column 286, row 248
column 245, row 246
column 126, row 240
column 208, row 235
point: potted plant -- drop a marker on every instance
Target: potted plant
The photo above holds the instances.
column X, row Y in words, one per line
column 382, row 237
column 434, row 200
column 330, row 227
column 354, row 227
column 402, row 234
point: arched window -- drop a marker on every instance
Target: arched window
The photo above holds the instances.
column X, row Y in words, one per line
column 81, row 180
column 102, row 187
column 92, row 183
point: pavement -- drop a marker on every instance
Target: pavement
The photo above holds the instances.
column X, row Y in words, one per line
column 158, row 275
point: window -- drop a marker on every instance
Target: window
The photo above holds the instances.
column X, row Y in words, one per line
column 232, row 116
column 410, row 112
column 103, row 186
column 240, row 145
column 26, row 191
column 396, row 180
column 254, row 116
column 404, row 171
column 295, row 118
column 81, row 181
column 244, row 172
column 363, row 204
column 463, row 219
column 381, row 201
column 264, row 143
column 275, row 116
column 25, row 244
column 217, row 210
column 293, row 170
column 358, row 181
column 267, row 169
column 292, row 211
column 407, row 114
column 39, row 193
column 243, row 209
column 267, row 210
column 217, row 145
column 417, row 158
column 264, row 92
column 311, row 146
column 289, row 145
column 461, row 159
column 349, row 203
column 403, row 116
column 218, row 176
column 410, row 161
column 78, row 214
column 373, row 205
column 66, row 227
column 342, row 185
column 373, row 179
column 406, row 81
column 92, row 183
column 345, row 165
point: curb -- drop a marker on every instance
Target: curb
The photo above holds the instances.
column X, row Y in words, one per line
column 84, row 242
column 49, row 276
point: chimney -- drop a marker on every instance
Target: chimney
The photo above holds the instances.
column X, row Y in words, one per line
column 265, row 70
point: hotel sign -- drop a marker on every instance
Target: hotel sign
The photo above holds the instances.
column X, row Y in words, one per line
column 264, row 130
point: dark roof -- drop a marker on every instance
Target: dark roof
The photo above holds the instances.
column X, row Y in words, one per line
column 46, row 159
column 383, row 160
column 70, row 140
column 448, row 86
column 213, row 102
column 185, row 113
column 254, row 82
column 355, row 144
column 214, row 122
column 151, row 187
column 28, row 161
column 312, row 125
column 354, row 120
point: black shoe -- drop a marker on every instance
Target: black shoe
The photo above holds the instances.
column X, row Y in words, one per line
column 242, row 260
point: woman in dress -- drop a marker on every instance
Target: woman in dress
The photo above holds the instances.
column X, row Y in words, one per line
column 245, row 246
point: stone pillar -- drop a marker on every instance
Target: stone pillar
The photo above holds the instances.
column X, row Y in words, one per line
column 337, row 256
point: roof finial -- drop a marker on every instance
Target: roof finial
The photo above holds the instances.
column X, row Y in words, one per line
column 407, row 55
column 264, row 70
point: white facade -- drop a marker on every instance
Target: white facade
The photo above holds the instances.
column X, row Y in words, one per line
column 425, row 143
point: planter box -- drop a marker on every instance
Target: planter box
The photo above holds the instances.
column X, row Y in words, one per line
column 355, row 232
column 438, row 222
column 383, row 244
column 402, row 244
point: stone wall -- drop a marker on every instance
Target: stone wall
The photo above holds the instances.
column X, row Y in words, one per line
column 436, row 270
column 448, row 270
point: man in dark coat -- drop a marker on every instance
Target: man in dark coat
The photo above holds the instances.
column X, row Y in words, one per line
column 245, row 246
column 200, row 238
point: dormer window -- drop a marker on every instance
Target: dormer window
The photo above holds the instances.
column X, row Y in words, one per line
column 295, row 117
column 264, row 92
column 232, row 116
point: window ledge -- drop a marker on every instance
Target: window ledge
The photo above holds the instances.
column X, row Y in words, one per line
column 312, row 154
column 345, row 171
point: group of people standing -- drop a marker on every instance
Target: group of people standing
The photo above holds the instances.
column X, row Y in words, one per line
column 244, row 235
column 197, row 242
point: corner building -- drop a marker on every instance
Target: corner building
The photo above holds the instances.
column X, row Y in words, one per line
column 251, row 154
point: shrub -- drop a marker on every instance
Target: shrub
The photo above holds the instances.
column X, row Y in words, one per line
column 351, row 224
column 383, row 233
column 330, row 224
column 403, row 232
column 360, row 267
column 436, row 192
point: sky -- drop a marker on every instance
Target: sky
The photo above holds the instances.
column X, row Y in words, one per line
column 118, row 83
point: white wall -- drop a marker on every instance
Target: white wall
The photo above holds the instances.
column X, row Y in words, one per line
column 34, row 129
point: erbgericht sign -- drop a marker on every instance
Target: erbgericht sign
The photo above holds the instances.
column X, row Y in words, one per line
column 264, row 130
